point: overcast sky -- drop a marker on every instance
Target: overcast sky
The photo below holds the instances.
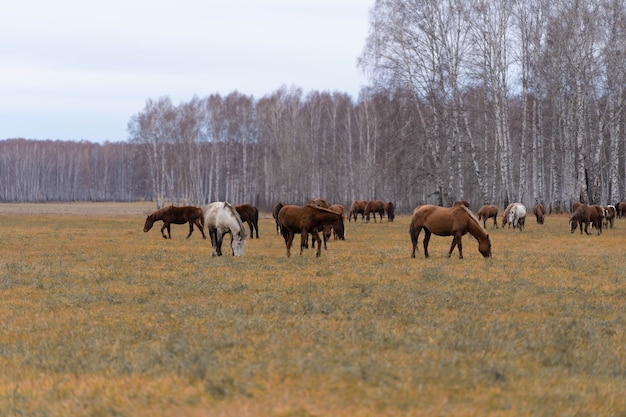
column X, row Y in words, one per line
column 78, row 70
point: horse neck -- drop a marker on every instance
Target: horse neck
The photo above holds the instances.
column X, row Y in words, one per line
column 475, row 229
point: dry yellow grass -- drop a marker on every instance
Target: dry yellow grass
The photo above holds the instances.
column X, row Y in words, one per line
column 99, row 318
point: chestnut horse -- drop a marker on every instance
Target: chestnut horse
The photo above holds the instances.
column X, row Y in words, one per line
column 487, row 212
column 448, row 221
column 176, row 215
column 357, row 207
column 540, row 212
column 586, row 215
column 275, row 211
column 250, row 215
column 373, row 207
column 304, row 220
column 390, row 208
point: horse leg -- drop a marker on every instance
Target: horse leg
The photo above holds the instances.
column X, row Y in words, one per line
column 452, row 245
column 304, row 241
column 426, row 239
column 288, row 236
column 256, row 228
column 190, row 228
column 200, row 227
column 315, row 236
column 166, row 225
column 219, row 239
column 213, row 235
column 251, row 229
column 414, row 236
column 458, row 240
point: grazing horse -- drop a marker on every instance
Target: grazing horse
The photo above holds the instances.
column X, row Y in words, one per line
column 586, row 215
column 609, row 216
column 448, row 221
column 307, row 219
column 540, row 212
column 373, row 207
column 275, row 211
column 487, row 212
column 250, row 215
column 221, row 218
column 357, row 207
column 390, row 208
column 505, row 215
column 517, row 216
column 176, row 215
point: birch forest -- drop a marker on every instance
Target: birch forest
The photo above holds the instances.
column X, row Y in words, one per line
column 487, row 101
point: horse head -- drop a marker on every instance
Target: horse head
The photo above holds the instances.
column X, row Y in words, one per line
column 484, row 247
column 149, row 222
column 238, row 242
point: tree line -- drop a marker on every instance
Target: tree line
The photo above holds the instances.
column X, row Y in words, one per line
column 490, row 102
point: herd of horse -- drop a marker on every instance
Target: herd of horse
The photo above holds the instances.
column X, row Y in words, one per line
column 318, row 216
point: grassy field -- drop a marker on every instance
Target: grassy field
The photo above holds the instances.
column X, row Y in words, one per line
column 98, row 319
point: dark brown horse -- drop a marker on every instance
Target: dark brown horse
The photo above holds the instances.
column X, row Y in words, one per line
column 304, row 220
column 540, row 212
column 448, row 221
column 176, row 215
column 249, row 214
column 390, row 208
column 357, row 207
column 586, row 215
column 487, row 212
column 275, row 211
column 620, row 209
column 373, row 207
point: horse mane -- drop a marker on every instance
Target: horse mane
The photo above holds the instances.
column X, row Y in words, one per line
column 160, row 211
column 471, row 215
column 235, row 215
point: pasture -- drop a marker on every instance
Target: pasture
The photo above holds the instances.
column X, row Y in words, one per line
column 99, row 318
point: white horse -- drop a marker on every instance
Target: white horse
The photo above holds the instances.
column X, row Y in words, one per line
column 517, row 215
column 221, row 218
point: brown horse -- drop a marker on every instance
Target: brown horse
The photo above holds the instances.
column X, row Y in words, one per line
column 373, row 207
column 390, row 208
column 620, row 209
column 176, row 215
column 357, row 207
column 448, row 221
column 307, row 219
column 461, row 203
column 275, row 211
column 585, row 215
column 487, row 212
column 540, row 212
column 249, row 214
